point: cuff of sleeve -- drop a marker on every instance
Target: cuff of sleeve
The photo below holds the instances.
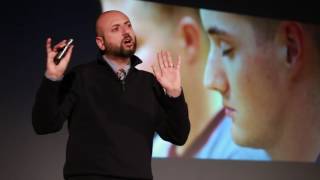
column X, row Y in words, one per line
column 48, row 88
column 46, row 82
column 174, row 101
column 53, row 79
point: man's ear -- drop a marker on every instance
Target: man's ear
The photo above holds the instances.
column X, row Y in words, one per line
column 293, row 34
column 190, row 31
column 100, row 43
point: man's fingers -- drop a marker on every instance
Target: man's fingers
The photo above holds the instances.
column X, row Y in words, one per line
column 163, row 64
column 50, row 52
column 48, row 45
column 165, row 59
column 60, row 45
column 178, row 63
column 169, row 59
column 160, row 62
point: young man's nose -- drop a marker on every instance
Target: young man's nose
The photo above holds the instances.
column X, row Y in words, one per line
column 215, row 78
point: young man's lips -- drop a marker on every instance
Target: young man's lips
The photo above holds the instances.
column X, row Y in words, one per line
column 229, row 111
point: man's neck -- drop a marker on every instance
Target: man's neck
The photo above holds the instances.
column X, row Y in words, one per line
column 119, row 61
column 304, row 149
column 300, row 138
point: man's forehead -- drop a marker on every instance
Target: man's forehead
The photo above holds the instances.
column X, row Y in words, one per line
column 113, row 18
column 222, row 23
column 214, row 18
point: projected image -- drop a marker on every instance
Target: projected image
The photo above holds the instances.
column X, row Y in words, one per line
column 244, row 78
column 267, row 72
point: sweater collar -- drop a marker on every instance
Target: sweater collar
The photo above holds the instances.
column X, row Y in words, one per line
column 134, row 60
column 115, row 67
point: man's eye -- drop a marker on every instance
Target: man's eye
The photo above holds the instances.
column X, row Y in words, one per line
column 114, row 29
column 227, row 52
column 226, row 49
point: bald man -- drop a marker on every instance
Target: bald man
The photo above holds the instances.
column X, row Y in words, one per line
column 113, row 109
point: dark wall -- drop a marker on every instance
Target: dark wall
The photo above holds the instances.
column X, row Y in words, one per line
column 25, row 26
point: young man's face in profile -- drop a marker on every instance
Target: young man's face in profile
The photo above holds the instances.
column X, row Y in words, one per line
column 247, row 75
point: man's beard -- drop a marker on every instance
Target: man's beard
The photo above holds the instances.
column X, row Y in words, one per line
column 121, row 51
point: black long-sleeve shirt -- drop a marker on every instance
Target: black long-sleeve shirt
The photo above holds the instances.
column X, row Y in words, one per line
column 111, row 124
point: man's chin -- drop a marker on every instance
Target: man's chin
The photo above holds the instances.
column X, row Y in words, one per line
column 129, row 51
column 245, row 140
column 128, row 54
column 239, row 137
column 129, row 48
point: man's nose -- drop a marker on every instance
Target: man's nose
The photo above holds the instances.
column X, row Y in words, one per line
column 215, row 76
column 125, row 31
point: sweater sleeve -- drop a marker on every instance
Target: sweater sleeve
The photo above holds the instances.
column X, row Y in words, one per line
column 53, row 104
column 173, row 119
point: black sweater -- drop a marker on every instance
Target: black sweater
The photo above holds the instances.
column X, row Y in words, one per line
column 111, row 125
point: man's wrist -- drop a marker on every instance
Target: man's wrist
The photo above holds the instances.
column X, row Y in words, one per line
column 53, row 77
column 173, row 92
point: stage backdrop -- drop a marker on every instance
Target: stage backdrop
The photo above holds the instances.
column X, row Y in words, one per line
column 213, row 150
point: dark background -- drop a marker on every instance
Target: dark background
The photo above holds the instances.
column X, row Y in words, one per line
column 24, row 29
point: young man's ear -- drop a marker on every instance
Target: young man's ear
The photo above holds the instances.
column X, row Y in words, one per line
column 293, row 33
column 100, row 43
column 190, row 31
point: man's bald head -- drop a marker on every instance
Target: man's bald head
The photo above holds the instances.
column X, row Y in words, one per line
column 105, row 18
column 114, row 34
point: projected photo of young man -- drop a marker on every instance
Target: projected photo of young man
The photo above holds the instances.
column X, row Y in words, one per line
column 268, row 74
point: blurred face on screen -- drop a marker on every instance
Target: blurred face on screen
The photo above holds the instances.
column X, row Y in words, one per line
column 115, row 35
column 246, row 72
